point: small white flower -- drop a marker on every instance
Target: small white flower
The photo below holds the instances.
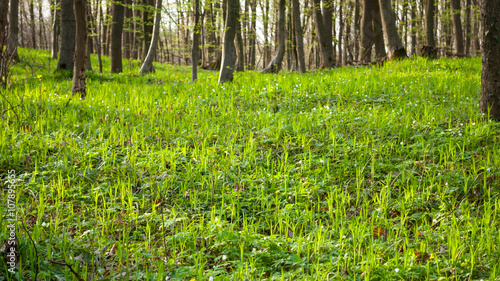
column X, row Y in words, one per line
column 224, row 257
column 396, row 269
column 211, row 278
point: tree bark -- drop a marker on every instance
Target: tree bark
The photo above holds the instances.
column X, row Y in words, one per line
column 240, row 59
column 429, row 23
column 13, row 30
column 467, row 27
column 147, row 66
column 413, row 28
column 147, row 28
column 392, row 40
column 55, row 29
column 298, row 36
column 367, row 34
column 228, row 51
column 275, row 65
column 490, row 71
column 68, row 30
column 116, row 37
column 80, row 13
column 324, row 33
column 457, row 27
column 378, row 33
column 196, row 39
column 32, row 24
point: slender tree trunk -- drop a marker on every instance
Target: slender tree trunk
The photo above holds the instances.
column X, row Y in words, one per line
column 106, row 30
column 457, row 27
column 41, row 27
column 116, row 37
column 392, row 39
column 298, row 36
column 196, row 36
column 253, row 36
column 55, row 29
column 341, row 34
column 490, row 71
column 467, row 26
column 429, row 23
column 32, row 24
column 228, row 51
column 356, row 29
column 379, row 34
column 147, row 28
column 13, row 30
column 275, row 65
column 68, row 30
column 147, row 66
column 4, row 11
column 323, row 28
column 265, row 12
column 240, row 59
column 80, row 14
column 413, row 28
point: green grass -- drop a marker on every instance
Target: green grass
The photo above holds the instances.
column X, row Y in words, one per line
column 387, row 173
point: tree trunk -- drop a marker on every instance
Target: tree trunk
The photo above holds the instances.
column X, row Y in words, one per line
column 147, row 66
column 356, row 29
column 457, row 27
column 55, row 29
column 413, row 28
column 392, row 40
column 253, row 36
column 429, row 23
column 228, row 51
column 240, row 59
column 467, row 27
column 341, row 34
column 323, row 28
column 196, row 36
column 80, row 13
column 367, row 34
column 68, row 30
column 147, row 28
column 275, row 65
column 4, row 11
column 298, row 36
column 13, row 30
column 116, row 37
column 378, row 33
column 32, row 24
column 490, row 71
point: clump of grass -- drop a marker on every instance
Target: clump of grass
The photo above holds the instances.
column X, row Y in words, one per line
column 352, row 173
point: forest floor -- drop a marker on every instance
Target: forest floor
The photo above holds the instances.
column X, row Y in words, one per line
column 369, row 173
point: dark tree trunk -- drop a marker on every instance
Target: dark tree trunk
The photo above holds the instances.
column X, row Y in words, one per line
column 367, row 35
column 298, row 36
column 4, row 11
column 467, row 27
column 13, row 30
column 356, row 29
column 413, row 28
column 253, row 36
column 55, row 29
column 147, row 27
column 196, row 39
column 490, row 71
column 228, row 51
column 378, row 33
column 457, row 27
column 32, row 24
column 341, row 35
column 323, row 29
column 240, row 59
column 429, row 23
column 147, row 66
column 116, row 37
column 80, row 13
column 68, row 30
column 393, row 41
column 275, row 65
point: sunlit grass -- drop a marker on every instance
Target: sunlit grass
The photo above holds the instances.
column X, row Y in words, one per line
column 380, row 173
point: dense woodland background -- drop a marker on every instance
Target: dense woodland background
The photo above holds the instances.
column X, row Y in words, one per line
column 352, row 27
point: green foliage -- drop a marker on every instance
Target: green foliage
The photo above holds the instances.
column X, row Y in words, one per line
column 355, row 173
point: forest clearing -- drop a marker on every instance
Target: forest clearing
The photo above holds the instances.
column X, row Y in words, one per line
column 351, row 173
